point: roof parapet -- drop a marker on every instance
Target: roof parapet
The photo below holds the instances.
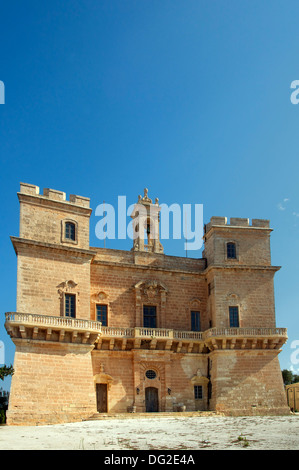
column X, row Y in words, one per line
column 54, row 195
column 236, row 222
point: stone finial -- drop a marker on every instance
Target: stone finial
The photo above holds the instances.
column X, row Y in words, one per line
column 145, row 197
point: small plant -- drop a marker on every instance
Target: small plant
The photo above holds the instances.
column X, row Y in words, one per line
column 2, row 417
column 244, row 440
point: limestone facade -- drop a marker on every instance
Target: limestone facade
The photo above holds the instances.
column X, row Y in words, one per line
column 101, row 330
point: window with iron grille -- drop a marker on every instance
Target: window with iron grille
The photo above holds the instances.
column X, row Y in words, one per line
column 198, row 392
column 150, row 374
column 102, row 314
column 231, row 250
column 234, row 317
column 70, row 305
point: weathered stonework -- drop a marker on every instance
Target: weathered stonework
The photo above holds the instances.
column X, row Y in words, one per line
column 67, row 369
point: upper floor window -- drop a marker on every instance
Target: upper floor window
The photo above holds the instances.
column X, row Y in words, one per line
column 234, row 317
column 102, row 314
column 70, row 305
column 149, row 316
column 195, row 321
column 231, row 252
column 70, row 231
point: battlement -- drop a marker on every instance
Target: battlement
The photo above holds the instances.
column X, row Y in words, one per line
column 54, row 195
column 237, row 222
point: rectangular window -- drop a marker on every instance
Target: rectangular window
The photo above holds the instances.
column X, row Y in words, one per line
column 234, row 317
column 231, row 250
column 195, row 321
column 102, row 314
column 149, row 316
column 198, row 392
column 70, row 231
column 70, row 305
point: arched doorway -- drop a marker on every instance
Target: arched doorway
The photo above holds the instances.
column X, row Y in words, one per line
column 151, row 400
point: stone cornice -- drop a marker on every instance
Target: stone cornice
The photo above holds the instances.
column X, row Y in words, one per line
column 65, row 206
column 245, row 267
column 25, row 242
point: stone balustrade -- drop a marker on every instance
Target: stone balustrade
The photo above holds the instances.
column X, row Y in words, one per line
column 66, row 329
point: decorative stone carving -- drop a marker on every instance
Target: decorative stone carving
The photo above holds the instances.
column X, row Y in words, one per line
column 67, row 287
column 100, row 296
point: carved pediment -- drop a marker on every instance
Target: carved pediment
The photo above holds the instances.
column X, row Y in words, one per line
column 67, row 286
column 100, row 296
column 232, row 297
column 199, row 380
column 195, row 304
column 151, row 288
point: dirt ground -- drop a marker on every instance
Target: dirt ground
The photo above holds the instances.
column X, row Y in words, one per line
column 171, row 433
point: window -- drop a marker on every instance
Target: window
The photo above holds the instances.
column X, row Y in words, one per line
column 198, row 392
column 102, row 314
column 149, row 316
column 70, row 231
column 150, row 374
column 234, row 317
column 195, row 321
column 231, row 251
column 70, row 305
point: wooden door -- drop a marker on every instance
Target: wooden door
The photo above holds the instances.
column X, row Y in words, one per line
column 102, row 398
column 151, row 400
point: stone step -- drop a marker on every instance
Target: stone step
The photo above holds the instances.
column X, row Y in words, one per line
column 162, row 414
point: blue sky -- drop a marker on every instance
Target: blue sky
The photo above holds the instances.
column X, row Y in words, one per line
column 188, row 98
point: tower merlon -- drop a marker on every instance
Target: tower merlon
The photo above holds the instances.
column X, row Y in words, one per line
column 237, row 222
column 54, row 195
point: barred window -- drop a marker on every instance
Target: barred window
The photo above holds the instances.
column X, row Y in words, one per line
column 150, row 374
column 198, row 392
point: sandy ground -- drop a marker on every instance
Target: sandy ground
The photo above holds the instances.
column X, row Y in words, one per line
column 182, row 433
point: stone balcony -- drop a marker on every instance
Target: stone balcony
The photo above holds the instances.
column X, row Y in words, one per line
column 73, row 330
column 245, row 338
column 31, row 326
column 150, row 338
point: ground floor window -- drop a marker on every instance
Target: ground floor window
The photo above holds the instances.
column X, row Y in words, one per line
column 198, row 392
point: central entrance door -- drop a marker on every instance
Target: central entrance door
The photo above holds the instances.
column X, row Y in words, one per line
column 151, row 400
column 102, row 398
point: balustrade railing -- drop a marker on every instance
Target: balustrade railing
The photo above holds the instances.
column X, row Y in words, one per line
column 245, row 332
column 138, row 332
column 48, row 321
